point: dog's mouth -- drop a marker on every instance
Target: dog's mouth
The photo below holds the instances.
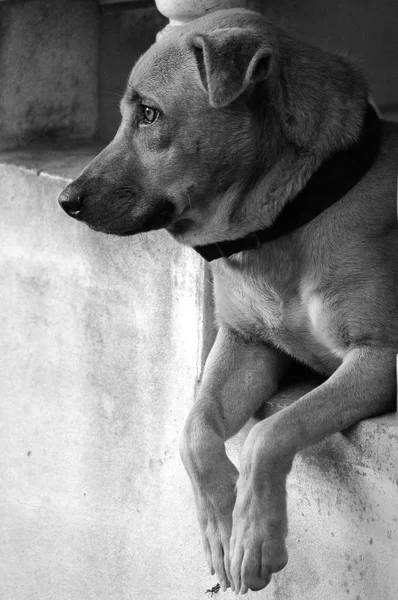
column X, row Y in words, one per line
column 162, row 215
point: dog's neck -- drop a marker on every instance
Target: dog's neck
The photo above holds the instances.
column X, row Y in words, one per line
column 327, row 185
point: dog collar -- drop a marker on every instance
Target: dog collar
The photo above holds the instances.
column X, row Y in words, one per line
column 327, row 185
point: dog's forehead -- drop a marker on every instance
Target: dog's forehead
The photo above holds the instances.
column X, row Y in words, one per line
column 161, row 63
column 172, row 54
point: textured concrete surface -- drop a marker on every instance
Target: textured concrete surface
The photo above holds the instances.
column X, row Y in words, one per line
column 343, row 508
column 343, row 517
column 48, row 70
column 101, row 348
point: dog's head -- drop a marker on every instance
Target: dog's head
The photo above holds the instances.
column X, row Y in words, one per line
column 188, row 144
column 222, row 119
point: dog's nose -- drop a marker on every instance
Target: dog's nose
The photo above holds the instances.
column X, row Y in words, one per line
column 71, row 200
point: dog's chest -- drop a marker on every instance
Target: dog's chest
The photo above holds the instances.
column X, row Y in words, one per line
column 290, row 315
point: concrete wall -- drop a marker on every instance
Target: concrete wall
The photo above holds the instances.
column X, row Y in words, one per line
column 48, row 70
column 343, row 511
column 100, row 353
column 366, row 31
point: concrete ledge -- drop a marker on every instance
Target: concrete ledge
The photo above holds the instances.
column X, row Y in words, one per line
column 64, row 160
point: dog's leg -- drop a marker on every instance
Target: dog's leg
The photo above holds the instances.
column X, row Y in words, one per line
column 237, row 380
column 363, row 386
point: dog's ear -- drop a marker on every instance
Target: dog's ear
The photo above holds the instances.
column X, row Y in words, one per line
column 229, row 60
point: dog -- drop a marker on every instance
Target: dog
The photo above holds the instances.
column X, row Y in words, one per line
column 264, row 154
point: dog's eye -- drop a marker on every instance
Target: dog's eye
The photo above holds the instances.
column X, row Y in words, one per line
column 150, row 114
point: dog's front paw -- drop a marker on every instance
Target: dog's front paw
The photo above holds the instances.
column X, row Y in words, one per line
column 257, row 547
column 216, row 524
column 213, row 477
column 215, row 502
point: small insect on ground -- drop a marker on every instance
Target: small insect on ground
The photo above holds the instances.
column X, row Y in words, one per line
column 214, row 590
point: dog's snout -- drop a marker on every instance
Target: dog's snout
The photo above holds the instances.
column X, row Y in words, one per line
column 72, row 200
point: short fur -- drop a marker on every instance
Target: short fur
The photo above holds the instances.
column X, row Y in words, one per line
column 246, row 115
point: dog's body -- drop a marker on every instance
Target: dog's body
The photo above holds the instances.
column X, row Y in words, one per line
column 330, row 285
column 224, row 123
